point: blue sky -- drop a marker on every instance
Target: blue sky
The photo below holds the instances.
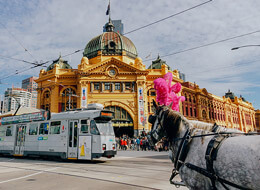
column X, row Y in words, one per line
column 48, row 28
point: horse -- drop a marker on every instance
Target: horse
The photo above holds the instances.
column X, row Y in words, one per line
column 226, row 159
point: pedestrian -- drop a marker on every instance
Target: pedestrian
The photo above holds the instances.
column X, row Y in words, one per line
column 133, row 143
column 141, row 144
column 137, row 141
column 125, row 144
column 121, row 143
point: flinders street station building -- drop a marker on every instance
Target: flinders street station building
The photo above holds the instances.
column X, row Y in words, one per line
column 111, row 73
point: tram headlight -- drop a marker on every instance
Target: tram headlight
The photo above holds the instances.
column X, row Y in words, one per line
column 104, row 147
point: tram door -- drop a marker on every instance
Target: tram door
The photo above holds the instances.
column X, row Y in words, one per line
column 73, row 139
column 20, row 138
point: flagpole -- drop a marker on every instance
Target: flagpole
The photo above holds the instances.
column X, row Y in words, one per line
column 109, row 11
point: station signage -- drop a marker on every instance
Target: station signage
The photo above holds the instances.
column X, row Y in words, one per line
column 37, row 116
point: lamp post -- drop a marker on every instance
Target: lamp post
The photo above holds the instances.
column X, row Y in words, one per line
column 235, row 48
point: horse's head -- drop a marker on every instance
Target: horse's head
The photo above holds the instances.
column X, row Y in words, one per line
column 157, row 119
column 165, row 123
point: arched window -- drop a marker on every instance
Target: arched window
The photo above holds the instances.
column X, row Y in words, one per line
column 46, row 100
column 69, row 99
column 189, row 98
column 204, row 114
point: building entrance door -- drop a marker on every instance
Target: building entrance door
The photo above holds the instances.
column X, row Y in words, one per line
column 122, row 122
column 20, row 138
column 73, row 139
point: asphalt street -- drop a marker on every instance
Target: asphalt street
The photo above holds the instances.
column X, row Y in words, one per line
column 128, row 170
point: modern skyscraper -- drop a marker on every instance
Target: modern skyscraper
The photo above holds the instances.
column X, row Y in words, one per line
column 15, row 96
column 30, row 85
column 1, row 104
column 119, row 26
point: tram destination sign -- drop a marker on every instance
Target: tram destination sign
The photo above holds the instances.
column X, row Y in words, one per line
column 37, row 116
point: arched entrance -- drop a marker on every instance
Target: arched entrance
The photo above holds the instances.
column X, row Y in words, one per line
column 123, row 123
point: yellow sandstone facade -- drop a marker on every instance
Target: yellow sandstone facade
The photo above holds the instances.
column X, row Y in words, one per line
column 112, row 74
column 229, row 111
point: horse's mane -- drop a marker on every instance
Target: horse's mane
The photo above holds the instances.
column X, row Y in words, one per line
column 174, row 118
column 201, row 125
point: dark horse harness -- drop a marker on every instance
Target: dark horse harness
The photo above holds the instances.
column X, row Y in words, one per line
column 210, row 156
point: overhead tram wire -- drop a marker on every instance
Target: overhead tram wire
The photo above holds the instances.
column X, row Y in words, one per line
column 182, row 51
column 6, row 57
column 205, row 45
column 40, row 64
column 225, row 67
column 155, row 22
column 37, row 65
column 18, row 41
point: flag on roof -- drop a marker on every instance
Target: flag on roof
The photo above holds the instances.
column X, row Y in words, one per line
column 108, row 9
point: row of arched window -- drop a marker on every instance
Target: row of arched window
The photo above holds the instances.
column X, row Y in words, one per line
column 189, row 98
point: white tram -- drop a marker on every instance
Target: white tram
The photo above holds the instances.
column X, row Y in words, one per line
column 82, row 134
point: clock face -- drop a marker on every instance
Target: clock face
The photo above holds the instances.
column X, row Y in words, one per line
column 112, row 72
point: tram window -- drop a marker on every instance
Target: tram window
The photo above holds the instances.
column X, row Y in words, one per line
column 93, row 128
column 55, row 127
column 44, row 128
column 84, row 126
column 33, row 128
column 9, row 131
column 2, row 132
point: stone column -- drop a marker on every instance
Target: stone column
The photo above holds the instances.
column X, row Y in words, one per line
column 112, row 86
column 91, row 87
column 122, row 87
column 54, row 107
column 101, row 86
column 133, row 86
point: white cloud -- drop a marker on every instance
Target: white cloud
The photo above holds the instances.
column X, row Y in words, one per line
column 48, row 28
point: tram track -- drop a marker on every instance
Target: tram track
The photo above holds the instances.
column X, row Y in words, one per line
column 126, row 164
column 76, row 169
column 49, row 171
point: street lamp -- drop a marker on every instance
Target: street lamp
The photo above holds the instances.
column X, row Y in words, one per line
column 235, row 48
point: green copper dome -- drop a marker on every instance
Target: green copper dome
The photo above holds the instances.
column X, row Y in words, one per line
column 63, row 64
column 157, row 64
column 110, row 43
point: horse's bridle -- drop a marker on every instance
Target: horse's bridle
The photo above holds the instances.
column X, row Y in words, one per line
column 160, row 119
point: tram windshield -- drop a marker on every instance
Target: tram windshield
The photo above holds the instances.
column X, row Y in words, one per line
column 105, row 127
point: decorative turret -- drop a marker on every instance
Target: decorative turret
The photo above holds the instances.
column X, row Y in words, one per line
column 158, row 63
column 62, row 64
column 230, row 95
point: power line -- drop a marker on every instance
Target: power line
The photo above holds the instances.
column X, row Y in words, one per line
column 37, row 65
column 155, row 22
column 225, row 67
column 6, row 57
column 41, row 64
column 205, row 45
column 17, row 41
